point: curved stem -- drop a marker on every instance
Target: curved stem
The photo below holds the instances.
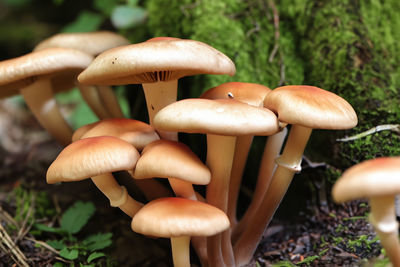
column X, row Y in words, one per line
column 40, row 99
column 117, row 195
column 288, row 165
column 110, row 101
column 180, row 251
column 243, row 144
column 267, row 167
column 158, row 95
column 152, row 189
column 220, row 151
column 182, row 188
column 92, row 98
column 383, row 218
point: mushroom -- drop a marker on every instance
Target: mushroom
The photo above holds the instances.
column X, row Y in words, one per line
column 305, row 107
column 101, row 99
column 222, row 120
column 35, row 72
column 175, row 218
column 252, row 94
column 378, row 180
column 157, row 64
column 138, row 134
column 97, row 157
column 175, row 161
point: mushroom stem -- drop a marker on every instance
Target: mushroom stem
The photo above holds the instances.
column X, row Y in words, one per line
column 182, row 188
column 220, row 151
column 110, row 101
column 152, row 189
column 180, row 251
column 158, row 95
column 40, row 99
column 243, row 144
column 267, row 167
column 117, row 194
column 288, row 164
column 92, row 98
column 383, row 218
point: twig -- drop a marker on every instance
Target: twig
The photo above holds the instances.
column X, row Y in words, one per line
column 383, row 127
column 23, row 230
column 276, row 26
column 313, row 165
column 7, row 217
column 11, row 248
column 43, row 244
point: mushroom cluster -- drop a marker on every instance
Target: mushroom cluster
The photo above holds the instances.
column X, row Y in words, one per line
column 230, row 115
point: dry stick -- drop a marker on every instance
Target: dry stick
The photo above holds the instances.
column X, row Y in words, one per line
column 11, row 248
column 288, row 164
column 22, row 230
column 267, row 166
column 384, row 127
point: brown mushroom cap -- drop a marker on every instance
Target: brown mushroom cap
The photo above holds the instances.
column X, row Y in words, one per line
column 90, row 157
column 173, row 217
column 170, row 159
column 376, row 177
column 311, row 107
column 44, row 62
column 135, row 132
column 249, row 93
column 220, row 117
column 92, row 43
column 161, row 59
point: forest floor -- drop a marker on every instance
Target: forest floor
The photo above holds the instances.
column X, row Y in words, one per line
column 317, row 235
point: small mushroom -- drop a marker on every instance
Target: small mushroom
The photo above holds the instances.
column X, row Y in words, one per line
column 377, row 180
column 33, row 75
column 98, row 157
column 101, row 99
column 157, row 64
column 222, row 120
column 175, row 161
column 179, row 219
column 306, row 108
column 138, row 134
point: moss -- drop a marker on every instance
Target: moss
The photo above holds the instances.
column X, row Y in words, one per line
column 349, row 48
column 243, row 30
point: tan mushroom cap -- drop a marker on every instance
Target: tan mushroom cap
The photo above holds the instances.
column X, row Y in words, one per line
column 311, row 107
column 161, row 59
column 221, row 117
column 21, row 71
column 174, row 217
column 90, row 157
column 92, row 43
column 171, row 159
column 376, row 177
column 137, row 133
column 249, row 93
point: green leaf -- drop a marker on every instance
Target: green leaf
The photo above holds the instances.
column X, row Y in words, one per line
column 56, row 244
column 69, row 254
column 94, row 256
column 85, row 22
column 98, row 241
column 58, row 264
column 127, row 16
column 45, row 228
column 76, row 216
